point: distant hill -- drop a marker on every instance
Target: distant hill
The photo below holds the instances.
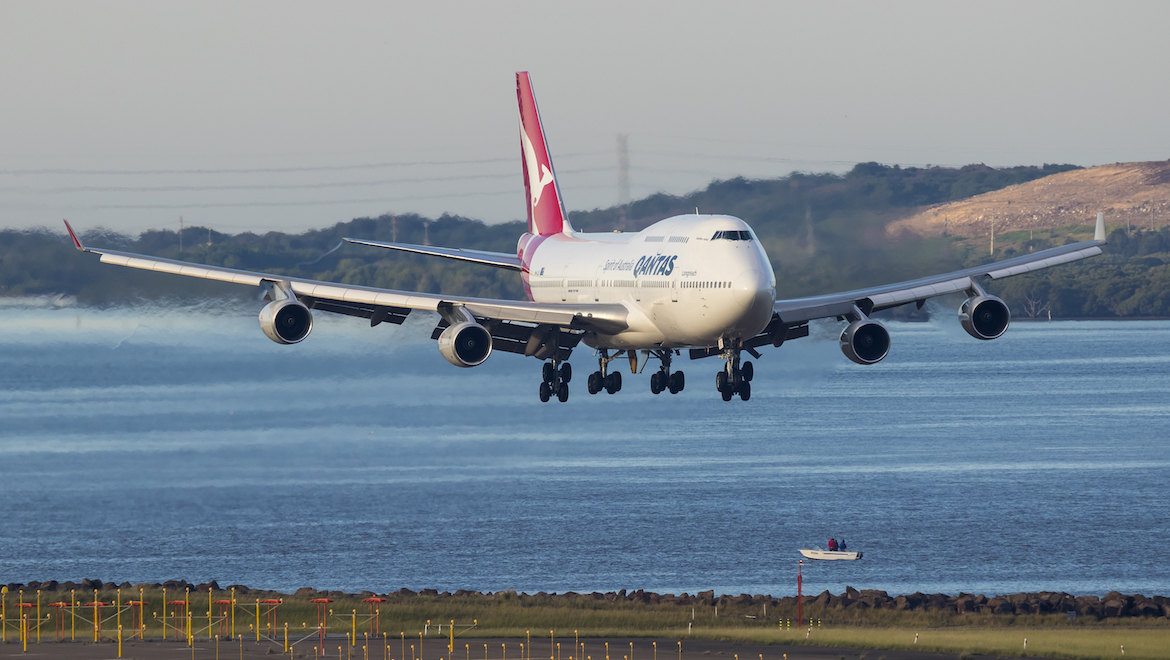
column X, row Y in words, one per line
column 1130, row 195
column 823, row 232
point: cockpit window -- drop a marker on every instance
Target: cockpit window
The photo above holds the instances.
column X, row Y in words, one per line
column 732, row 236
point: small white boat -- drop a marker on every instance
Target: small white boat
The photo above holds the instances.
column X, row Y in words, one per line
column 830, row 554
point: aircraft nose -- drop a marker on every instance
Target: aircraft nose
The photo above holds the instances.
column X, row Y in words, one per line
column 752, row 288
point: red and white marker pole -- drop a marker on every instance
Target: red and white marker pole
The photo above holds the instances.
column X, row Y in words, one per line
column 799, row 599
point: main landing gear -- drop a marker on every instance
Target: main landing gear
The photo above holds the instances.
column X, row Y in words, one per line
column 602, row 379
column 734, row 379
column 556, row 381
column 662, row 379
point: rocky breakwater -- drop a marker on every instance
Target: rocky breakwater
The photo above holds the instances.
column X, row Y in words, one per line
column 852, row 603
column 1111, row 605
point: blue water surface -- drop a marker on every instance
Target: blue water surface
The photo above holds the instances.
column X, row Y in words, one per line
column 155, row 443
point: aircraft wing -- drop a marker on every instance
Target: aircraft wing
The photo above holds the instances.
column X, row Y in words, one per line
column 380, row 305
column 497, row 259
column 800, row 310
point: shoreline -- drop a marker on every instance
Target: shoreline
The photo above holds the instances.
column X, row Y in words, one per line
column 1113, row 605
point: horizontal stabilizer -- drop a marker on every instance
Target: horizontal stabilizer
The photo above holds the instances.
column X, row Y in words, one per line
column 497, row 259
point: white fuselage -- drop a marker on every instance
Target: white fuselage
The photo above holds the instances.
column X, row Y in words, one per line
column 689, row 280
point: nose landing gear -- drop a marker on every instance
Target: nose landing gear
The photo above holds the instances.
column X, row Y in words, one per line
column 735, row 378
column 556, row 377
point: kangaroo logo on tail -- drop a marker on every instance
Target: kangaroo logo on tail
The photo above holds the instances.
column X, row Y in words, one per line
column 533, row 165
column 546, row 212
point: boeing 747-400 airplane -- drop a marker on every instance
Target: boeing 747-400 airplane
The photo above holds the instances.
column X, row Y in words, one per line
column 696, row 282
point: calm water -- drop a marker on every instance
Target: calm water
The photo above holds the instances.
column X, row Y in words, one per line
column 155, row 444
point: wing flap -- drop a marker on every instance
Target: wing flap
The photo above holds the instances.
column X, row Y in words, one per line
column 903, row 296
column 496, row 259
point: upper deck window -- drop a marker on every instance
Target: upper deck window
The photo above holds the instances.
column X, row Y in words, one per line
column 733, row 236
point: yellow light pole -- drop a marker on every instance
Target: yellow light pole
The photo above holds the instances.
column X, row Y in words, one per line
column 576, row 643
column 655, row 650
column 257, row 619
column 4, row 614
column 504, row 652
column 680, row 651
column 607, row 651
column 551, row 645
column 38, row 616
column 631, row 651
column 72, row 615
column 528, row 638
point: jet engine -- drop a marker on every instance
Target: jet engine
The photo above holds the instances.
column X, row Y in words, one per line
column 984, row 317
column 466, row 344
column 286, row 321
column 865, row 341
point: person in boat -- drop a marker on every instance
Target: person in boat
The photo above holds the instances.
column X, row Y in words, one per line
column 843, row 545
column 832, row 545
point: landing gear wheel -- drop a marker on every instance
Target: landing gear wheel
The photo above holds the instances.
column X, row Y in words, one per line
column 613, row 383
column 563, row 392
column 727, row 394
column 747, row 371
column 745, row 391
column 594, row 382
column 549, row 372
column 677, row 381
column 656, row 382
column 721, row 383
column 567, row 372
column 545, row 392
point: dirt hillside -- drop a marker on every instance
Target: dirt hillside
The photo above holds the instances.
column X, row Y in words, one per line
column 1133, row 193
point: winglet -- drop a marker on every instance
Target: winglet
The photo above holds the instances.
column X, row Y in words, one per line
column 76, row 242
column 1099, row 235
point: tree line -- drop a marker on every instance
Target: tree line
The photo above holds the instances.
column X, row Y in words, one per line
column 823, row 232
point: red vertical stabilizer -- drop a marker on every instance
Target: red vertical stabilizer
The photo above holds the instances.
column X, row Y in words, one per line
column 546, row 211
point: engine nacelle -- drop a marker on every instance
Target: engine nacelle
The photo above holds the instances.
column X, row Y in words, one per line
column 865, row 341
column 466, row 344
column 286, row 321
column 984, row 317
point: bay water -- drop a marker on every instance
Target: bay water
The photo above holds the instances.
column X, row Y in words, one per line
column 152, row 443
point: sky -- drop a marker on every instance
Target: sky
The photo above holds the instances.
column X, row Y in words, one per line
column 287, row 116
